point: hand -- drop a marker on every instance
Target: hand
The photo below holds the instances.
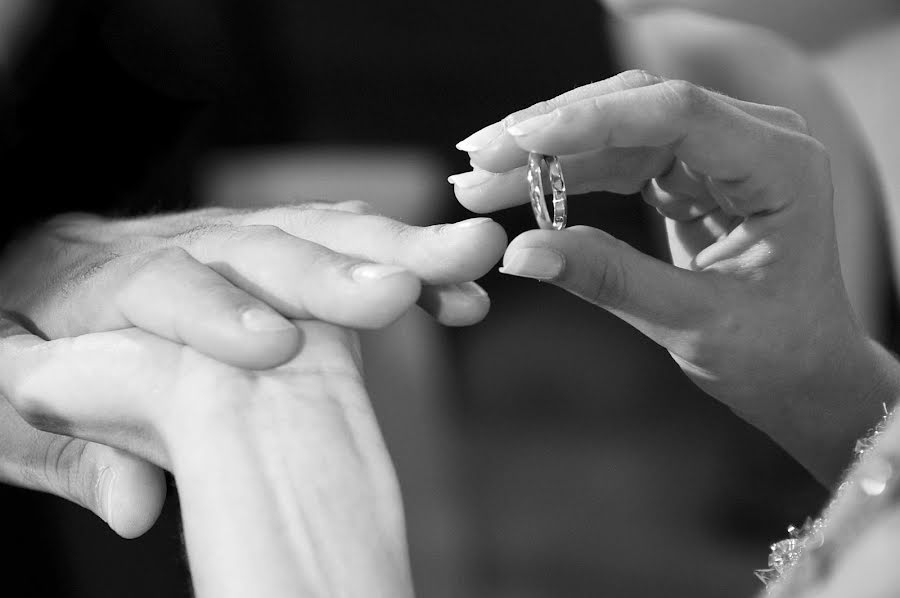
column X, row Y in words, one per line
column 754, row 308
column 226, row 282
column 123, row 490
column 286, row 486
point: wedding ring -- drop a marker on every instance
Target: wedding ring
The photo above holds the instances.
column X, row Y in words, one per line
column 536, row 191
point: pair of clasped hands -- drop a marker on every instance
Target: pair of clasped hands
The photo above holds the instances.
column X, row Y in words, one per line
column 217, row 343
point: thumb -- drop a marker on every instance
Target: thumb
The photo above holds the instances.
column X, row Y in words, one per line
column 123, row 490
column 657, row 298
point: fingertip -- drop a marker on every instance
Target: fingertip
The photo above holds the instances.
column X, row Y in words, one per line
column 132, row 493
column 481, row 139
column 383, row 301
column 487, row 233
column 468, row 250
column 455, row 305
column 264, row 320
column 539, row 263
column 255, row 350
column 472, row 199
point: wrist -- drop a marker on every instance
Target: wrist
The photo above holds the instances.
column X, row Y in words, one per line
column 282, row 495
column 835, row 401
column 229, row 509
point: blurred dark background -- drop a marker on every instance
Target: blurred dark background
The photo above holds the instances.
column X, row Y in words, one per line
column 616, row 479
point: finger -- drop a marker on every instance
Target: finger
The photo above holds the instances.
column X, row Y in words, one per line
column 679, row 193
column 656, row 298
column 462, row 304
column 622, row 171
column 755, row 164
column 302, row 279
column 440, row 254
column 173, row 295
column 492, row 149
column 124, row 490
column 54, row 385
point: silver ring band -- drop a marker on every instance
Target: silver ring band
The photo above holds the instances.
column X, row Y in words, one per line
column 536, row 191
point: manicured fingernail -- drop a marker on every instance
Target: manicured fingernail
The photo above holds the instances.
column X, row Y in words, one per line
column 481, row 139
column 533, row 262
column 105, row 487
column 473, row 290
column 466, row 180
column 533, row 124
column 470, row 223
column 256, row 319
column 370, row 272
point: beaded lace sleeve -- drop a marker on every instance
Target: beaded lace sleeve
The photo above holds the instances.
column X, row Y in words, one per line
column 804, row 561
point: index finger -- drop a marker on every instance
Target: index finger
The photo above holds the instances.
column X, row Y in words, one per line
column 755, row 166
column 493, row 150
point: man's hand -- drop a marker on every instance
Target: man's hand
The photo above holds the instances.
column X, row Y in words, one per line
column 123, row 490
column 286, row 486
column 226, row 282
column 753, row 307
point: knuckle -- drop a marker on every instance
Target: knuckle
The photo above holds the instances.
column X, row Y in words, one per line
column 791, row 119
column 687, row 98
column 542, row 107
column 215, row 214
column 255, row 232
column 356, row 206
column 812, row 153
column 161, row 259
column 195, row 234
column 398, row 230
column 292, row 218
column 88, row 268
column 64, row 466
column 607, row 278
column 638, row 78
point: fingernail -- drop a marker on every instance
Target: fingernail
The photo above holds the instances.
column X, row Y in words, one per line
column 533, row 124
column 256, row 319
column 481, row 139
column 473, row 290
column 105, row 488
column 466, row 180
column 471, row 223
column 370, row 272
column 541, row 264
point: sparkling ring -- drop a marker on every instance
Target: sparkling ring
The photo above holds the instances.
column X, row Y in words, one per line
column 536, row 185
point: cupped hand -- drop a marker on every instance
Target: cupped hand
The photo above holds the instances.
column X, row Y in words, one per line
column 227, row 282
column 285, row 484
column 753, row 307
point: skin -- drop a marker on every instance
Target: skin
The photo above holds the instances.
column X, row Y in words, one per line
column 757, row 65
column 753, row 306
column 191, row 278
column 849, row 40
column 286, row 488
